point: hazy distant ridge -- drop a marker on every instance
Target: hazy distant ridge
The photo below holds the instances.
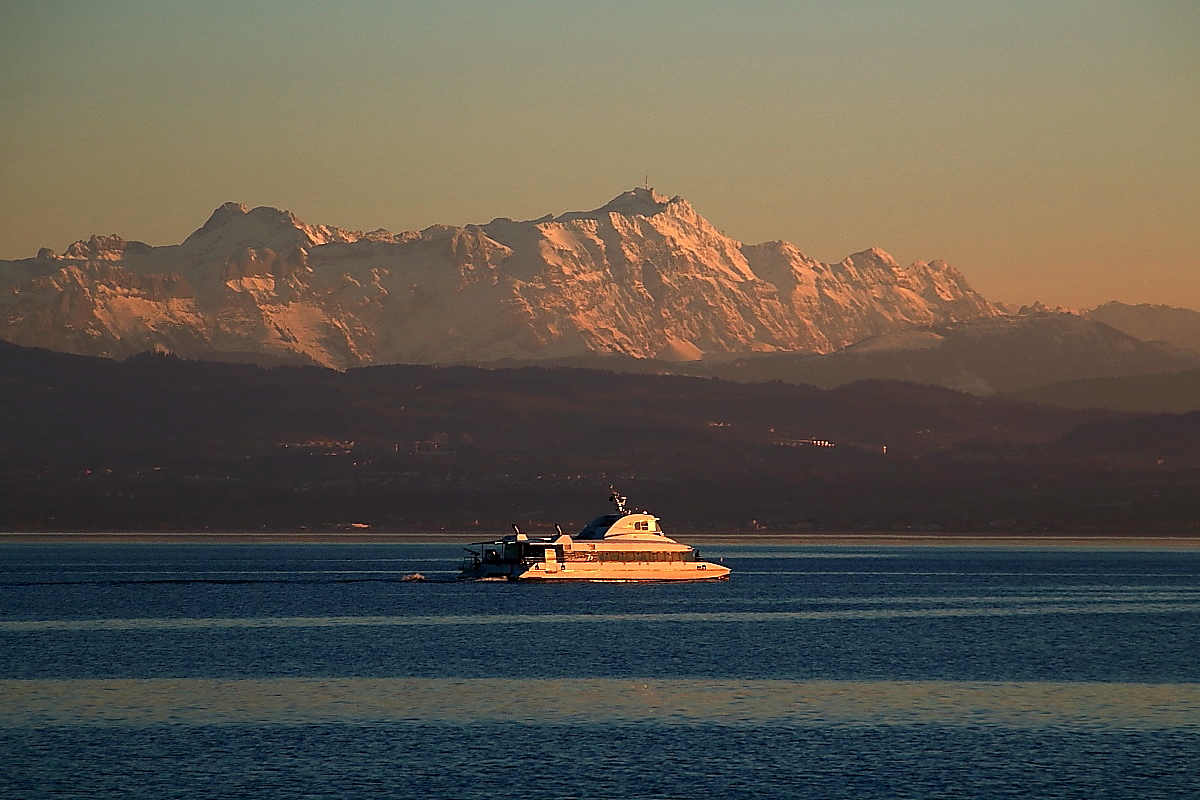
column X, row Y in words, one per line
column 1179, row 327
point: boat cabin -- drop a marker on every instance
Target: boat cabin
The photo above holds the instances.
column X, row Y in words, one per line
column 634, row 526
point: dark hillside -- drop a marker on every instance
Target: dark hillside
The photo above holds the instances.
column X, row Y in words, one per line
column 157, row 442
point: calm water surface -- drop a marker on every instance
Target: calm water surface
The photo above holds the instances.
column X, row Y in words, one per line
column 314, row 670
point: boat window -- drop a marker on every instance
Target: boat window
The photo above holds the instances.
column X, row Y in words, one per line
column 642, row 555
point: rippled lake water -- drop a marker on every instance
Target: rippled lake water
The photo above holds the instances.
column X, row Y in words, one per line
column 315, row 670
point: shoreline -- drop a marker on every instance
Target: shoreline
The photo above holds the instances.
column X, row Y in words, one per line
column 701, row 539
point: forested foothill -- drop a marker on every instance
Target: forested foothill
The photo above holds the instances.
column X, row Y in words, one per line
column 160, row 443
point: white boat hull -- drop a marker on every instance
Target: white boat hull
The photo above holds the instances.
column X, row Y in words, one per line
column 649, row 572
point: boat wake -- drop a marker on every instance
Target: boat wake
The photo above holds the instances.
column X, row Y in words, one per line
column 413, row 577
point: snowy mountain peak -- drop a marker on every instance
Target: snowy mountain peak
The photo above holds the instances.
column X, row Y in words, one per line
column 875, row 256
column 103, row 248
column 638, row 202
column 1038, row 307
column 219, row 217
column 233, row 227
column 644, row 275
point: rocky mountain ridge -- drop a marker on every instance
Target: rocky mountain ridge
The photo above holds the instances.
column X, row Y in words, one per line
column 643, row 276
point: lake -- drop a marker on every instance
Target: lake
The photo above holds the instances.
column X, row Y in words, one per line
column 141, row 670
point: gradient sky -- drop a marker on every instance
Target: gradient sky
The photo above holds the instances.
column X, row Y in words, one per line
column 1049, row 150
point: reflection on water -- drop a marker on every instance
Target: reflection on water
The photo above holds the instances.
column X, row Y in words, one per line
column 1036, row 606
column 287, row 701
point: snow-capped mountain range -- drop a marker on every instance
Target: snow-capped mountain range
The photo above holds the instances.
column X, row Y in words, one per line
column 644, row 275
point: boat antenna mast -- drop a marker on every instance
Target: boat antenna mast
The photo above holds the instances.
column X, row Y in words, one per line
column 617, row 499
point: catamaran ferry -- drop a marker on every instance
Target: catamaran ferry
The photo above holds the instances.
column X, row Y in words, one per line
column 623, row 546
